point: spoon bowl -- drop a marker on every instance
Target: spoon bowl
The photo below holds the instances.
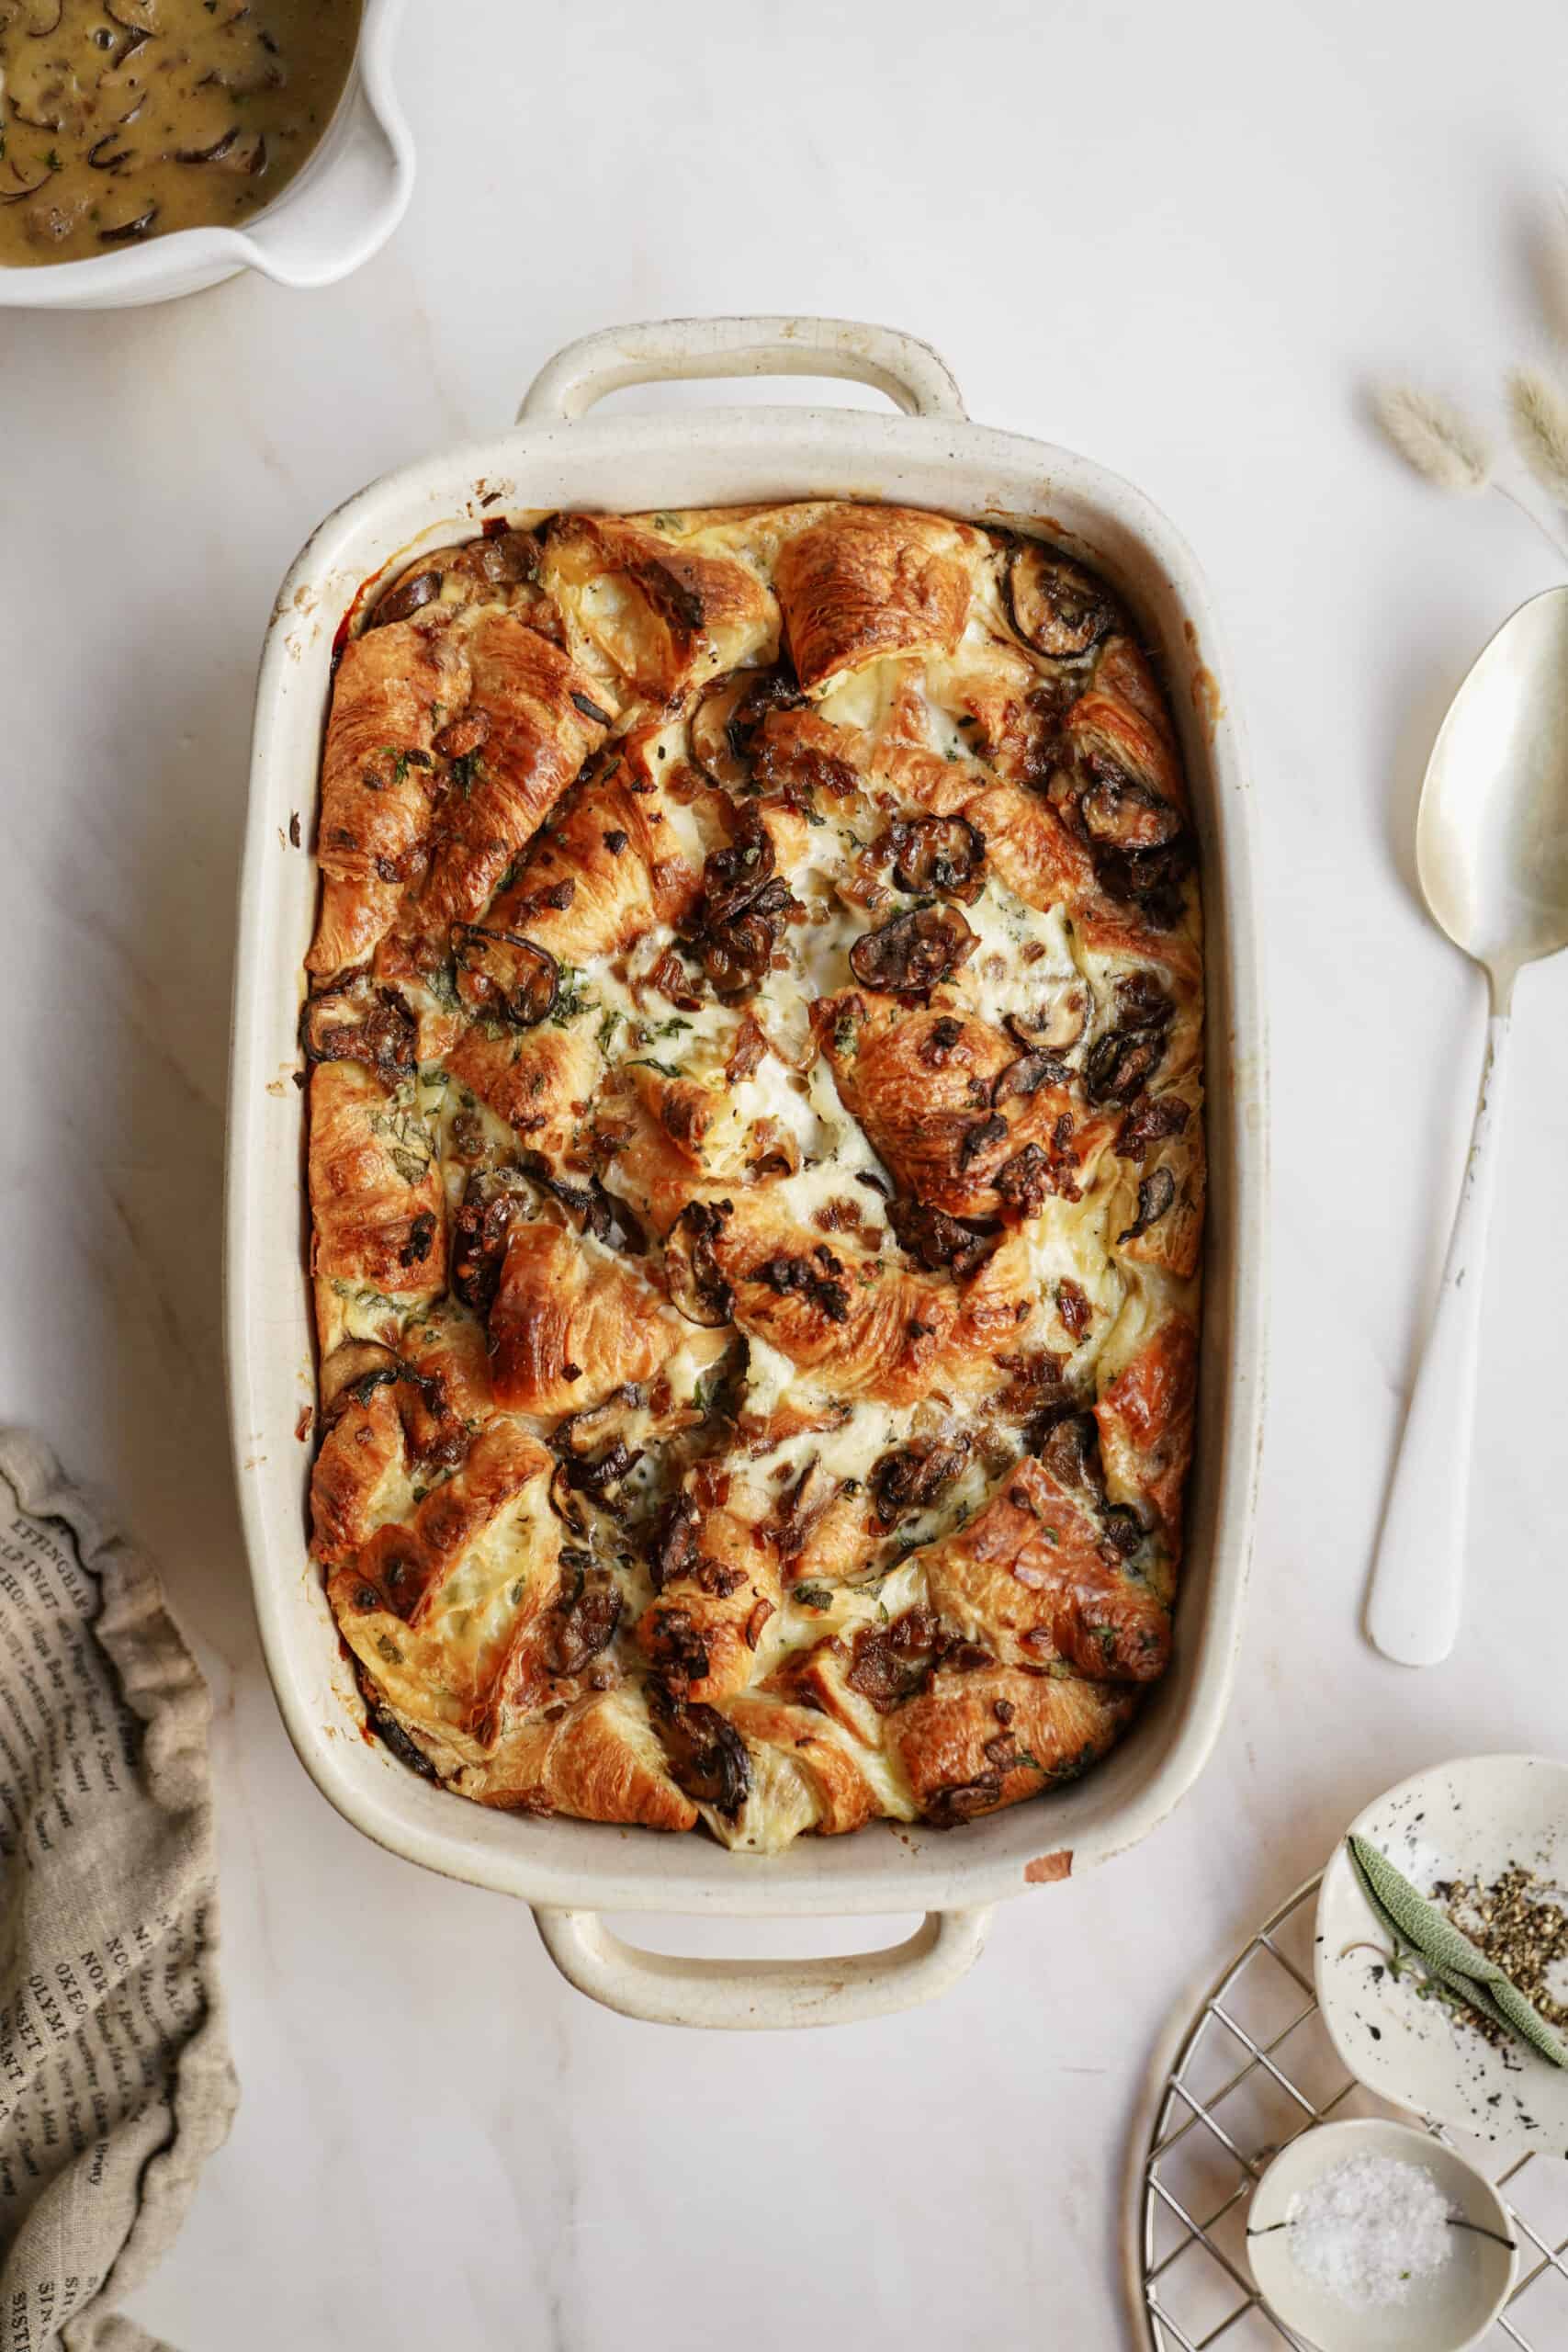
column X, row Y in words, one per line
column 1492, row 834
column 1491, row 853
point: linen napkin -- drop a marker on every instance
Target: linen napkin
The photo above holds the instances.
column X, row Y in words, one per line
column 116, row 2082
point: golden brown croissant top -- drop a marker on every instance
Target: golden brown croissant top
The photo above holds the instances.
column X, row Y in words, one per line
column 756, row 1167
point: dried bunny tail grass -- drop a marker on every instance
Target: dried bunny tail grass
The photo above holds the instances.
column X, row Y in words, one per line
column 1435, row 437
column 1539, row 414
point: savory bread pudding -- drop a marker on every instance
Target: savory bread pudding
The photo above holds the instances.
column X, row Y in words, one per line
column 756, row 1167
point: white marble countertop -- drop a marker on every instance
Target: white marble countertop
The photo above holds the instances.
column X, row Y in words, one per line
column 1180, row 239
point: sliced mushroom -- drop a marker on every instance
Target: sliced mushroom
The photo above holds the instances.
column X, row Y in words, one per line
column 890, row 1662
column 412, row 593
column 493, row 1201
column 129, row 230
column 697, row 1283
column 584, row 1617
column 1150, row 880
column 212, row 154
column 708, row 1760
column 736, row 957
column 1122, row 813
column 734, row 876
column 389, row 1730
column 1121, row 1063
column 737, row 921
column 1070, row 1451
column 800, row 1507
column 353, row 1372
column 1055, row 1024
column 819, row 1280
column 726, row 720
column 1150, row 1121
column 949, row 1808
column 503, row 556
column 1124, row 1531
column 1026, row 1181
column 1027, row 1076
column 945, row 855
column 934, row 1239
column 911, row 1477
column 674, row 1550
column 503, row 974
column 350, row 1026
column 20, row 195
column 1155, row 1194
column 592, row 1445
column 910, row 955
column 1058, row 606
column 1124, row 1058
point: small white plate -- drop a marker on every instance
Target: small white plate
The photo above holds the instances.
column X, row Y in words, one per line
column 1447, row 2312
column 1468, row 1820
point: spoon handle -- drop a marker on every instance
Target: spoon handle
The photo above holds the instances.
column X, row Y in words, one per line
column 1412, row 1610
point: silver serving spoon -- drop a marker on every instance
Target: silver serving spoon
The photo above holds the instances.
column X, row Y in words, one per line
column 1492, row 850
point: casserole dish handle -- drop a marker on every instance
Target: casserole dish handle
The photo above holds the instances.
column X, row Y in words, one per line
column 751, row 1995
column 363, row 181
column 908, row 371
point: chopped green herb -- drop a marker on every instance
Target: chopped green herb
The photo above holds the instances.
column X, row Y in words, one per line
column 812, row 1596
column 606, row 1030
column 571, row 998
column 647, row 1061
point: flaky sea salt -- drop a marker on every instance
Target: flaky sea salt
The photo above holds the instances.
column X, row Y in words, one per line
column 1369, row 2227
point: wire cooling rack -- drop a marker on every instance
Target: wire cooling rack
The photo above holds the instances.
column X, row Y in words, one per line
column 1254, row 2069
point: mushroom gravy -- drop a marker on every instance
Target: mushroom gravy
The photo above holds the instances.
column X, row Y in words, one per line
column 123, row 120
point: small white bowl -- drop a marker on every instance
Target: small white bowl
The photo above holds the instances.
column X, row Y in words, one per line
column 1468, row 1819
column 337, row 211
column 1447, row 2312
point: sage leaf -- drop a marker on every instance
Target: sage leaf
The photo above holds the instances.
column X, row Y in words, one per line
column 1463, row 1966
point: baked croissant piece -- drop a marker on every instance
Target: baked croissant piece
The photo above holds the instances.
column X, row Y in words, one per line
column 754, row 1032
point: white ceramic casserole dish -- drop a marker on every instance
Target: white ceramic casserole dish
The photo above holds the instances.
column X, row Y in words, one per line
column 337, row 211
column 570, row 1870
